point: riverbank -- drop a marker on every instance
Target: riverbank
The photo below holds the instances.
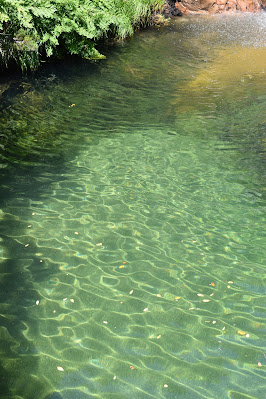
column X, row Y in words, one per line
column 30, row 33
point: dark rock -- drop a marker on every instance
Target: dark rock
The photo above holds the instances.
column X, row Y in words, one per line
column 170, row 9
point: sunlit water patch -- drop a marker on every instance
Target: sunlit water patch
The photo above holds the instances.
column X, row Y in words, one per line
column 132, row 220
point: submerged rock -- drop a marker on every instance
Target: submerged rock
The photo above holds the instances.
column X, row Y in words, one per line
column 54, row 395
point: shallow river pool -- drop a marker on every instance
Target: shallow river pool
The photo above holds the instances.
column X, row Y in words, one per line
column 132, row 219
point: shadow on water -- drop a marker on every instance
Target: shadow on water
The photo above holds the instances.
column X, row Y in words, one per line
column 30, row 145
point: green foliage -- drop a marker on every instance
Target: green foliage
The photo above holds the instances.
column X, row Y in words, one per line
column 29, row 28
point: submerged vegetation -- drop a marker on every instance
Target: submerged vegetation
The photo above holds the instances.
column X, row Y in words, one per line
column 32, row 29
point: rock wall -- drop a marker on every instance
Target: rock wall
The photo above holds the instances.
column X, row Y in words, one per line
column 172, row 7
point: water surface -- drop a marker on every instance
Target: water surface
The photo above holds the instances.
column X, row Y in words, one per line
column 132, row 219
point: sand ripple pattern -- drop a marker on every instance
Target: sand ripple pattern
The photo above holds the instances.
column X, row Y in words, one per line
column 151, row 277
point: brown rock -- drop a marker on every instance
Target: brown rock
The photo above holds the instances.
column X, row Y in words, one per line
column 219, row 6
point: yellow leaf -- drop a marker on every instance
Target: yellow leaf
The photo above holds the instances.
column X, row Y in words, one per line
column 241, row 332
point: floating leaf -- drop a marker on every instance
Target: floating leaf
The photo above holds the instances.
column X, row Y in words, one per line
column 241, row 332
column 200, row 294
column 212, row 284
column 259, row 364
column 59, row 368
column 131, row 292
column 206, row 300
column 121, row 266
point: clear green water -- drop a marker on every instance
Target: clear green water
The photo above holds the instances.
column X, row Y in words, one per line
column 132, row 223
